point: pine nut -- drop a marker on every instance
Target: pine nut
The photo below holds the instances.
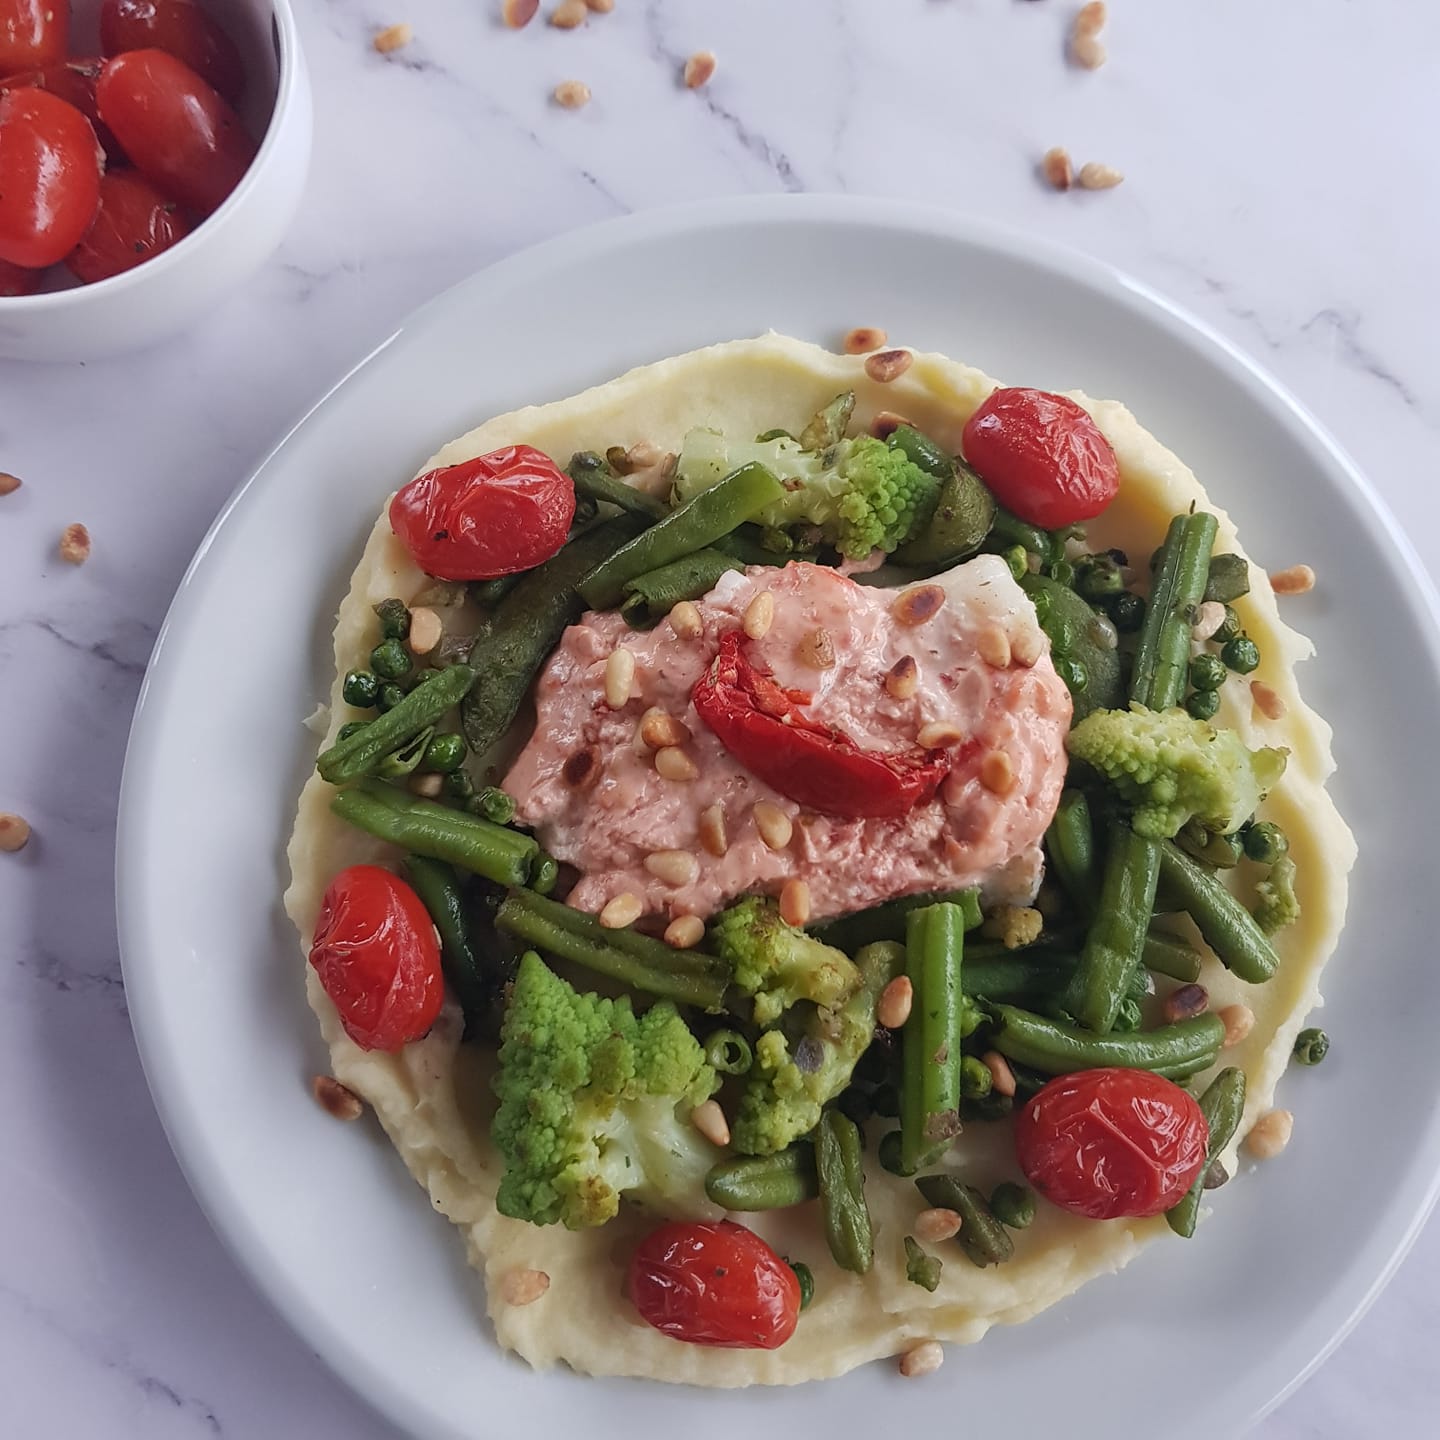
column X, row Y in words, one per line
column 1185, row 1003
column 568, row 14
column 709, row 1119
column 933, row 1226
column 1002, row 1077
column 896, row 999
column 517, row 14
column 759, row 616
column 625, row 909
column 14, row 832
column 1270, row 1134
column 658, row 728
column 336, row 1099
column 1208, row 619
column 1095, row 176
column 1267, row 702
column 816, row 649
column 1239, row 1022
column 1297, row 580
column 887, row 365
column 9, row 483
column 863, row 339
column 1055, row 167
column 619, row 676
column 699, row 68
column 922, row 1359
column 393, row 37
column 426, row 630
column 673, row 867
column 523, row 1286
column 75, row 544
column 938, row 736
column 993, row 645
column 685, row 931
column 427, row 785
column 672, row 763
column 571, row 94
column 902, row 679
column 886, row 423
column 600, row 7
column 918, row 604
column 773, row 824
column 713, row 838
column 685, row 621
column 1027, row 646
column 1091, row 18
column 997, row 774
column 795, row 903
column 1087, row 52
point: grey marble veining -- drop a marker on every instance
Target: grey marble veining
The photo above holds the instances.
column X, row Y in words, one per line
column 1280, row 183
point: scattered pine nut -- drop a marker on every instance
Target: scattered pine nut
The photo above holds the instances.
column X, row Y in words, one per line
column 625, row 909
column 713, row 838
column 9, row 483
column 659, row 729
column 886, row 423
column 937, row 1224
column 699, row 68
column 426, row 630
column 1270, row 1134
column 336, row 1099
column 795, row 903
column 1091, row 19
column 685, row 621
column 887, row 365
column 685, row 931
column 1239, row 1022
column 1094, row 176
column 816, row 649
column 75, row 544
column 902, row 679
column 863, row 339
column 1002, row 1077
column 522, row 1286
column 600, row 7
column 1087, row 52
column 393, row 37
column 1267, row 702
column 428, row 785
column 918, row 604
column 1085, row 47
column 997, row 773
column 1208, row 619
column 993, row 645
column 895, row 1003
column 571, row 94
column 1297, row 580
column 938, row 736
column 1056, row 168
column 922, row 1359
column 619, row 676
column 709, row 1119
column 672, row 763
column 773, row 824
column 676, row 868
column 568, row 14
column 517, row 14
column 1185, row 1003
column 759, row 616
column 14, row 832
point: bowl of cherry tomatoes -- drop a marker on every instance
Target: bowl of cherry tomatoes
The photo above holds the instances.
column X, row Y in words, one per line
column 152, row 155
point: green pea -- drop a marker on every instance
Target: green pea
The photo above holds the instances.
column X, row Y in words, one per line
column 390, row 696
column 361, row 689
column 1097, row 576
column 394, row 619
column 1127, row 611
column 459, row 786
column 494, row 804
column 1207, row 672
column 1014, row 557
column 889, row 1154
column 1062, row 572
column 1266, row 842
column 546, row 875
column 807, row 1282
column 1229, row 626
column 390, row 660
column 886, row 1102
column 353, row 727
column 1013, row 1205
column 976, row 1081
column 1072, row 672
column 444, row 753
column 1203, row 704
column 1311, row 1046
column 1241, row 654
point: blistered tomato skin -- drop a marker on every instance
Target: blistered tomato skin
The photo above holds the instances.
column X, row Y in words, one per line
column 495, row 515
column 135, row 223
column 714, row 1284
column 72, row 81
column 49, row 178
column 377, row 956
column 32, row 33
column 1110, row 1143
column 181, row 28
column 1042, row 457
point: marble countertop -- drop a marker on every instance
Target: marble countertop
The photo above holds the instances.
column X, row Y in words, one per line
column 1280, row 182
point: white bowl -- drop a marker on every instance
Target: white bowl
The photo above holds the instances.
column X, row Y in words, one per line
column 164, row 295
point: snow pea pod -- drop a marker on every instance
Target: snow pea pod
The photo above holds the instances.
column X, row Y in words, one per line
column 439, row 890
column 841, row 1171
column 765, row 1182
column 651, row 597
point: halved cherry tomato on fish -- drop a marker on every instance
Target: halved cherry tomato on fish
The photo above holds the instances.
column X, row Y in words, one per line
column 16, row 280
column 766, row 729
column 49, row 178
column 714, row 1284
column 178, row 132
column 74, row 82
column 135, row 222
column 1106, row 1143
column 376, row 954
column 33, row 33
column 1042, row 457
column 495, row 515
column 182, row 29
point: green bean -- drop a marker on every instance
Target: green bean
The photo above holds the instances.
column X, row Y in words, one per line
column 650, row 598
column 921, row 1268
column 976, row 1079
column 1055, row 1048
column 1226, row 926
column 1013, row 1205
column 1163, row 655
column 1008, row 530
column 593, row 478
column 1311, row 1046
column 930, row 1040
column 982, row 1237
column 840, row 1167
column 404, row 761
column 829, row 423
column 545, row 874
column 729, row 1052
column 1221, row 851
column 1026, row 977
column 437, row 831
column 420, row 709
column 887, row 922
column 1222, row 1105
column 637, row 961
column 394, row 618
column 964, row 510
column 489, row 593
column 494, row 804
column 439, row 890
column 765, row 1182
column 920, row 450
column 1172, row 956
column 806, row 1280
column 351, row 727
column 744, row 544
column 1071, row 843
column 689, row 527
column 1228, row 578
column 516, row 637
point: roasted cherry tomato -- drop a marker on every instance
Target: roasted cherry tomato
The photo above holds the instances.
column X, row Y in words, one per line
column 1105, row 1143
column 181, row 28
column 1042, row 457
column 766, row 729
column 376, row 954
column 179, row 133
column 74, row 82
column 134, row 223
column 501, row 513
column 49, row 178
column 16, row 280
column 715, row 1284
column 33, row 33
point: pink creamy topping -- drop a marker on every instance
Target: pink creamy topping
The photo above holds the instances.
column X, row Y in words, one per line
column 589, row 785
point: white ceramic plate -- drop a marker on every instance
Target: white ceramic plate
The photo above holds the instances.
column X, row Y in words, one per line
column 1193, row 1340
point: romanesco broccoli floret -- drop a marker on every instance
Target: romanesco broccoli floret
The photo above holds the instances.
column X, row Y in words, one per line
column 1171, row 768
column 777, row 964
column 594, row 1103
column 1276, row 903
column 859, row 494
column 1015, row 926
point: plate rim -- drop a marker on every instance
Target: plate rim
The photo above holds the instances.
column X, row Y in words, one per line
column 189, row 1141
